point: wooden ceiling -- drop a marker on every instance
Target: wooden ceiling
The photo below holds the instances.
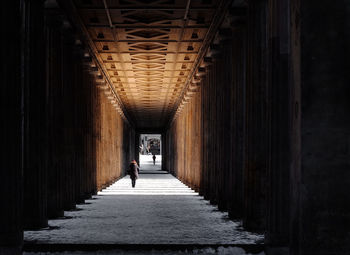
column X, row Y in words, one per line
column 148, row 50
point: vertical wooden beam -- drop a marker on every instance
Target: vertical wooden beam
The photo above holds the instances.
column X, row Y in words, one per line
column 279, row 110
column 35, row 136
column 256, row 139
column 295, row 165
column 54, row 115
column 320, row 208
column 237, row 120
column 137, row 147
column 163, row 150
column 11, row 133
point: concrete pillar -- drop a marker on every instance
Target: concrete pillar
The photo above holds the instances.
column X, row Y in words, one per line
column 11, row 132
column 35, row 128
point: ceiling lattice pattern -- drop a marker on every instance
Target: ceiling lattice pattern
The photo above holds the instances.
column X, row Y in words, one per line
column 148, row 48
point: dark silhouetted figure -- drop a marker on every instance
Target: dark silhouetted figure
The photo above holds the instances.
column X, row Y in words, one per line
column 154, row 159
column 133, row 172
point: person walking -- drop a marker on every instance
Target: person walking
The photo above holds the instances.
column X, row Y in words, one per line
column 154, row 159
column 133, row 172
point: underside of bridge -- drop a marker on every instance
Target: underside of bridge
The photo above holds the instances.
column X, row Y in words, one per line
column 251, row 98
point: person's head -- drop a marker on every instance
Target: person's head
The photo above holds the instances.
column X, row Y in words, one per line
column 133, row 161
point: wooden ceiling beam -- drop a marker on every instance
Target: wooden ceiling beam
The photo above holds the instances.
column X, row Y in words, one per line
column 145, row 26
column 147, row 61
column 148, row 52
column 126, row 8
column 148, row 41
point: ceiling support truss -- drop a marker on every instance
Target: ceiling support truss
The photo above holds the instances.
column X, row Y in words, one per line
column 148, row 52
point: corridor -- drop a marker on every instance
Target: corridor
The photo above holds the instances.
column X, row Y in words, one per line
column 244, row 103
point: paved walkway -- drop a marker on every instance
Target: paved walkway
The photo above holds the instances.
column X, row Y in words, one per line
column 159, row 210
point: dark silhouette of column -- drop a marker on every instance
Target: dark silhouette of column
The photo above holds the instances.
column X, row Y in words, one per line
column 35, row 128
column 237, row 120
column 54, row 113
column 11, row 132
column 256, row 137
column 280, row 109
column 320, row 211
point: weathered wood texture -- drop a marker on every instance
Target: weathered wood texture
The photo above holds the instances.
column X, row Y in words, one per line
column 110, row 148
column 183, row 148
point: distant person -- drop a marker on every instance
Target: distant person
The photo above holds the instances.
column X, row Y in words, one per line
column 133, row 172
column 154, row 159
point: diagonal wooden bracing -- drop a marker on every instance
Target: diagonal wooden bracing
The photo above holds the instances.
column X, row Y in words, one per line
column 148, row 49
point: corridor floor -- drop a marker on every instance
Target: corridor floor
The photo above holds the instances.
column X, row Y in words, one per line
column 160, row 210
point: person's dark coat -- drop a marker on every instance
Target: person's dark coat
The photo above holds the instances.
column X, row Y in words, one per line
column 133, row 170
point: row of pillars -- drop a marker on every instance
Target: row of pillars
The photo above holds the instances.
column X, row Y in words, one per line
column 62, row 139
column 273, row 132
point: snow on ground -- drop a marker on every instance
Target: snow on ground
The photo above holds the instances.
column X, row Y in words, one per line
column 148, row 160
column 220, row 250
column 160, row 210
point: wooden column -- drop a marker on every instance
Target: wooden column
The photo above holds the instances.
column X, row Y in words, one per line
column 204, row 190
column 279, row 110
column 163, row 151
column 89, row 174
column 320, row 180
column 11, row 234
column 237, row 120
column 54, row 114
column 81, row 105
column 68, row 95
column 137, row 148
column 35, row 129
column 256, row 138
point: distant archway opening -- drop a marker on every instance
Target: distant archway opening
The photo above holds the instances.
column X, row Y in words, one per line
column 150, row 149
